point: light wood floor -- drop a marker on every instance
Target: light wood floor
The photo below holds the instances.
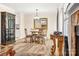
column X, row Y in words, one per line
column 32, row 49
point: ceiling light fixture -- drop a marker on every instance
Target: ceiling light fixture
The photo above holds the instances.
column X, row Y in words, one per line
column 36, row 14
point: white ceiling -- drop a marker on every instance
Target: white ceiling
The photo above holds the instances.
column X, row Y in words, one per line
column 30, row 7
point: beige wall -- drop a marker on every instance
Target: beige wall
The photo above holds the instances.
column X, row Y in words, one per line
column 19, row 19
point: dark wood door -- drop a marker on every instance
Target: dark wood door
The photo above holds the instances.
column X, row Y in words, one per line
column 77, row 40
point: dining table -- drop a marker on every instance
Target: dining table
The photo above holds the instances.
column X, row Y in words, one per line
column 36, row 35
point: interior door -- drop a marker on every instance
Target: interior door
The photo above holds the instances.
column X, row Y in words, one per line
column 77, row 39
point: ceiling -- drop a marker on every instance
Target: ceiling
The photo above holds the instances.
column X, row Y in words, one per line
column 30, row 7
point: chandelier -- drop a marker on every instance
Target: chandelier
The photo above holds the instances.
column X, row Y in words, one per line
column 36, row 14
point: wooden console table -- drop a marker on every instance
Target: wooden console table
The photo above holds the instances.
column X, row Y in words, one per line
column 60, row 43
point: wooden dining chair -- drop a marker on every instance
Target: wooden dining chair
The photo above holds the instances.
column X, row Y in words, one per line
column 27, row 36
